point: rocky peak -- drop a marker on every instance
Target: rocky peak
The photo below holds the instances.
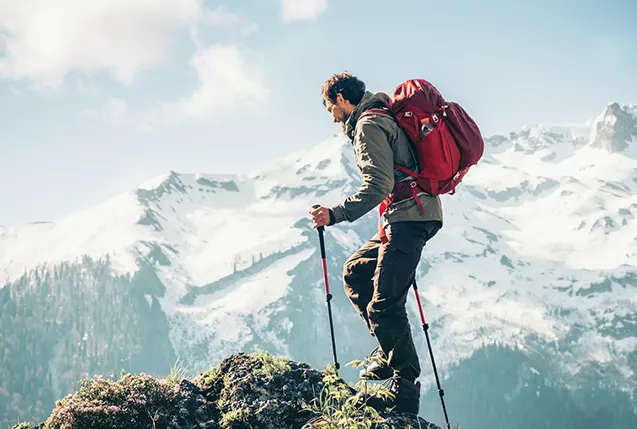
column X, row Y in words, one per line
column 616, row 128
column 168, row 183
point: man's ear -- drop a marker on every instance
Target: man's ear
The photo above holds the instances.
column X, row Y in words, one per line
column 339, row 99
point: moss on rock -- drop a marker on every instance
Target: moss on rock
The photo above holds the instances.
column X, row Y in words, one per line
column 246, row 391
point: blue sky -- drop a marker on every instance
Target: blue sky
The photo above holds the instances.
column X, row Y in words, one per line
column 97, row 101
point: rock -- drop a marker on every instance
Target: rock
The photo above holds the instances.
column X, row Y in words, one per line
column 266, row 392
column 246, row 391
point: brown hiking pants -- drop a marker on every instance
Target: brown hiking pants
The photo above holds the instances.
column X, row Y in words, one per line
column 377, row 280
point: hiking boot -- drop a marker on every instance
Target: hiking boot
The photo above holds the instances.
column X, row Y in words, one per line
column 403, row 397
column 377, row 368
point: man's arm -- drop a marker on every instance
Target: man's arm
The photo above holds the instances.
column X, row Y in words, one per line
column 376, row 161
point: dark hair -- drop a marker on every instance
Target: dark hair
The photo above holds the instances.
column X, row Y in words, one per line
column 345, row 83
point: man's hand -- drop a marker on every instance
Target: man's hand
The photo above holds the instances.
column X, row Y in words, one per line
column 320, row 216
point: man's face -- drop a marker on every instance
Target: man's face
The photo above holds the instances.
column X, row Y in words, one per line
column 340, row 110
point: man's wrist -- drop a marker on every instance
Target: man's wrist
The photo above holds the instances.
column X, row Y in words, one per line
column 338, row 214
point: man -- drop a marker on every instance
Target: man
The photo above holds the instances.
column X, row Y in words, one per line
column 378, row 276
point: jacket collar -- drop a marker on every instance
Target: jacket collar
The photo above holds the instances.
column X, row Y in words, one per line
column 368, row 101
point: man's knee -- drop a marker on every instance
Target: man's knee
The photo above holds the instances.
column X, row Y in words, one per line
column 354, row 269
column 392, row 318
column 349, row 273
column 349, row 277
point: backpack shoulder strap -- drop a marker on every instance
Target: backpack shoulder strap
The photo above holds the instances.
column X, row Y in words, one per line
column 374, row 112
column 383, row 111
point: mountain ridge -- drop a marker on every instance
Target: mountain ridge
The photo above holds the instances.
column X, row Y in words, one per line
column 537, row 253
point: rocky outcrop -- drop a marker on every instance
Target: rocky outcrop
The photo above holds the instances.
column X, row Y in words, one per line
column 246, row 391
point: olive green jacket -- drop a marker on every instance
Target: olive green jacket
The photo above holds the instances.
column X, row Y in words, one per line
column 379, row 142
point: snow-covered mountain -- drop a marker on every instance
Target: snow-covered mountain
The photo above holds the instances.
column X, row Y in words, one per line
column 538, row 252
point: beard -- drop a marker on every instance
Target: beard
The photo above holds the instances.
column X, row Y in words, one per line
column 344, row 122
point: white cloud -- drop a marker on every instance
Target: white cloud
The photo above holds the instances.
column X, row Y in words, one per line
column 227, row 76
column 86, row 87
column 43, row 40
column 222, row 18
column 114, row 110
column 302, row 10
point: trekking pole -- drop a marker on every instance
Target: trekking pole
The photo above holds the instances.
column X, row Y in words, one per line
column 328, row 295
column 425, row 327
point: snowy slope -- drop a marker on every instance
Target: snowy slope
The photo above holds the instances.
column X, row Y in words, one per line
column 539, row 247
column 188, row 213
column 547, row 247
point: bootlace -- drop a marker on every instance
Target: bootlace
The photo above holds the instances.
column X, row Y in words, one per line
column 391, row 384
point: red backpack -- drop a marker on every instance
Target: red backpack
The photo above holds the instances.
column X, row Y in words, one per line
column 447, row 140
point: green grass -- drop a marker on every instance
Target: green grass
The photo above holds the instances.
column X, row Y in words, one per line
column 177, row 372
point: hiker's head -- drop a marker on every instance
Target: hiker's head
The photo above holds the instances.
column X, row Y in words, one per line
column 341, row 93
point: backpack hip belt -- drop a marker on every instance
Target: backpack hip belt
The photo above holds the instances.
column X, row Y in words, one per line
column 402, row 191
column 405, row 190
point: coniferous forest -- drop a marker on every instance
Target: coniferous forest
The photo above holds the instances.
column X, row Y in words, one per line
column 61, row 324
column 499, row 387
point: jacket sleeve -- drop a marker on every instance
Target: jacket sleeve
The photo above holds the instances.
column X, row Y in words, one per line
column 375, row 159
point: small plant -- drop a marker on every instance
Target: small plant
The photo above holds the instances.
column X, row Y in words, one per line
column 336, row 405
column 369, row 360
column 208, row 378
column 133, row 400
column 381, row 390
column 270, row 365
column 23, row 426
column 177, row 372
column 233, row 417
